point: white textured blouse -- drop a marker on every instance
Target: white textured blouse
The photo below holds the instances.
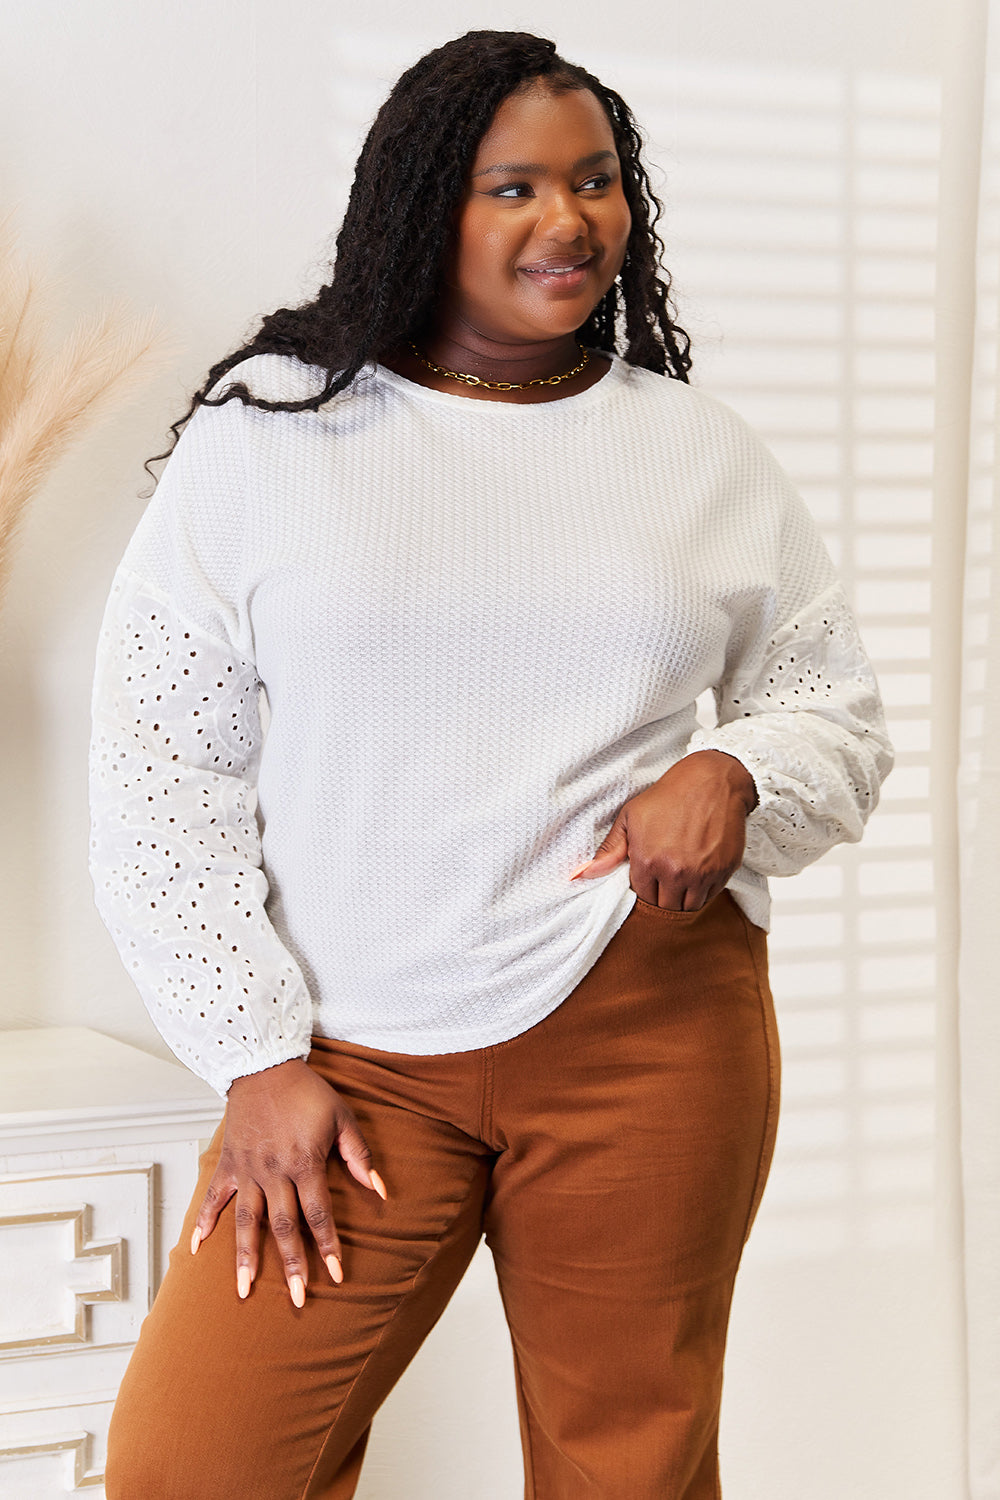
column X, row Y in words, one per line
column 480, row 627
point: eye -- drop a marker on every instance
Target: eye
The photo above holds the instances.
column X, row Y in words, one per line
column 598, row 182
column 513, row 190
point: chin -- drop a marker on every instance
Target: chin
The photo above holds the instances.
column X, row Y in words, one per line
column 563, row 326
column 564, row 318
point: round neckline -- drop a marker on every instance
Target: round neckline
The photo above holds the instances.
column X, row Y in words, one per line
column 598, row 393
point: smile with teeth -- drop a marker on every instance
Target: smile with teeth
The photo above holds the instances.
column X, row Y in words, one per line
column 564, row 273
column 551, row 270
column 573, row 263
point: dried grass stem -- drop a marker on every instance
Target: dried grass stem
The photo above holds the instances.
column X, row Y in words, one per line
column 47, row 399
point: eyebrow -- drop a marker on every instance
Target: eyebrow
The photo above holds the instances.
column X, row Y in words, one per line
column 526, row 168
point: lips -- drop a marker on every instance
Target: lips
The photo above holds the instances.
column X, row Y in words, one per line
column 559, row 272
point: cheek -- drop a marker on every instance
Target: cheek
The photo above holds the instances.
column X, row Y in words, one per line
column 481, row 251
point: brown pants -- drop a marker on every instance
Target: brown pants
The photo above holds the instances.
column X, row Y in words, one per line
column 614, row 1154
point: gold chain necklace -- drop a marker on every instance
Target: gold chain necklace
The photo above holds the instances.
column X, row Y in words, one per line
column 504, row 385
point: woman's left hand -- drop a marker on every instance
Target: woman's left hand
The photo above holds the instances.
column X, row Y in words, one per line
column 683, row 836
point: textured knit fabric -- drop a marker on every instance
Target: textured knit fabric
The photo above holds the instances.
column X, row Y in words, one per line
column 480, row 628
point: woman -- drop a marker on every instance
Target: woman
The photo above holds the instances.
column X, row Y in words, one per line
column 503, row 940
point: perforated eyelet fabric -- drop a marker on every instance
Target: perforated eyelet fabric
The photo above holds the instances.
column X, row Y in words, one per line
column 175, row 846
column 800, row 722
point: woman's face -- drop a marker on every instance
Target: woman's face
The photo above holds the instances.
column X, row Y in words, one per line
column 543, row 225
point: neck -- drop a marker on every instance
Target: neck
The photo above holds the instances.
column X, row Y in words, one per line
column 463, row 377
column 472, row 353
column 466, row 351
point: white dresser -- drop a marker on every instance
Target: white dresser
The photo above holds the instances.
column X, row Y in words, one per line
column 99, row 1146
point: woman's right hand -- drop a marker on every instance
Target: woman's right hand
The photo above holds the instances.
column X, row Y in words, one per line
column 281, row 1127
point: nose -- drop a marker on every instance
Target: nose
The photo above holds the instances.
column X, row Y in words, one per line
column 561, row 217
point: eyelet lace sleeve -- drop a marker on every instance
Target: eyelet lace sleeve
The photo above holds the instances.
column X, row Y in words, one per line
column 175, row 848
column 801, row 711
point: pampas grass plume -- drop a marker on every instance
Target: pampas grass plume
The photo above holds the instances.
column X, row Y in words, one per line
column 19, row 334
column 46, row 400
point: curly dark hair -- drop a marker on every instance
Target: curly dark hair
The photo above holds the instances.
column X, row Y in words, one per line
column 397, row 232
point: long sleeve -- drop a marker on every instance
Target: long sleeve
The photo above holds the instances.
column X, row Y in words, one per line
column 458, row 702
column 800, row 708
column 175, row 848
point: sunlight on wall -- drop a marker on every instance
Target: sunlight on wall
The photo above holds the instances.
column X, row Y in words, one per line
column 979, row 811
column 983, row 471
column 802, row 233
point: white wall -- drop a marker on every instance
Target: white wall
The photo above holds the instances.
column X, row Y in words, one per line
column 820, row 167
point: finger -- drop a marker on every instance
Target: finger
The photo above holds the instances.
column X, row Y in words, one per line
column 717, row 888
column 670, row 896
column 696, row 897
column 649, row 885
column 249, row 1221
column 283, row 1217
column 357, row 1157
column 314, row 1196
column 680, row 890
column 688, row 893
column 611, row 852
column 646, row 888
column 217, row 1195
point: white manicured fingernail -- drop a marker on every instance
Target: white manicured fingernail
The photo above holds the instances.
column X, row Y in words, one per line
column 243, row 1281
column 297, row 1287
column 335, row 1269
column 196, row 1240
column 378, row 1185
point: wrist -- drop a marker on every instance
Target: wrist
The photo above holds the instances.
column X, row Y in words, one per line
column 738, row 778
column 265, row 1078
